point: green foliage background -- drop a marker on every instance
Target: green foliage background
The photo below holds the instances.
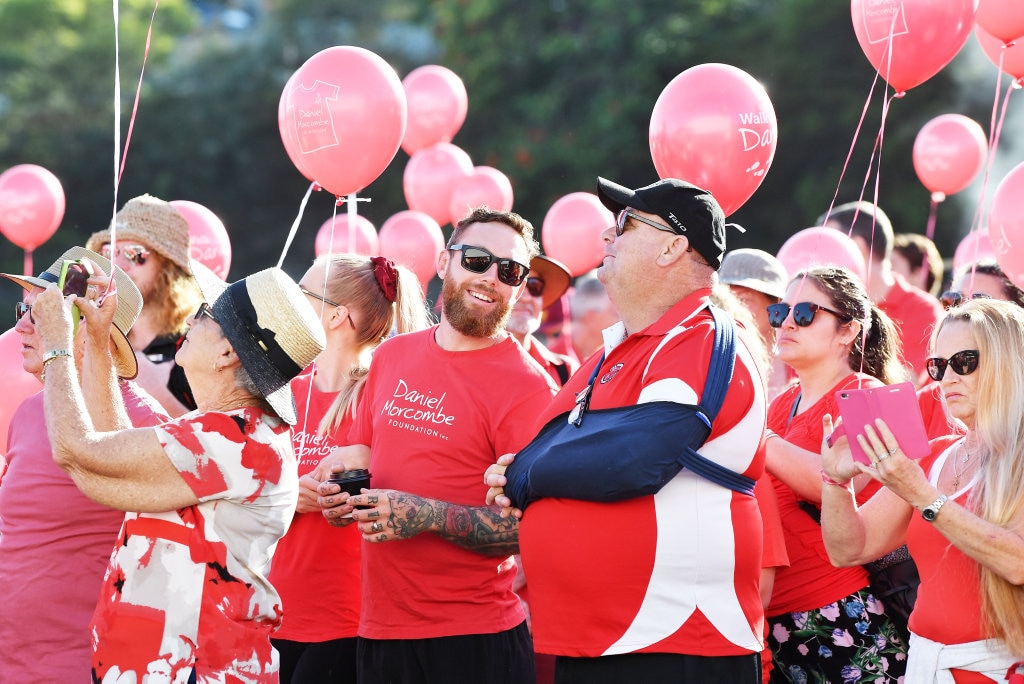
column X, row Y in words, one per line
column 560, row 91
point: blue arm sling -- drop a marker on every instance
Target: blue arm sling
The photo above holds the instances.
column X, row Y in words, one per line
column 621, row 453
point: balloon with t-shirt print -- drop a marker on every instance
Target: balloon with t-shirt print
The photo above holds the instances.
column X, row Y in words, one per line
column 714, row 126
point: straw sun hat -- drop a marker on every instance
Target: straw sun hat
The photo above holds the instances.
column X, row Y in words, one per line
column 153, row 222
column 129, row 303
column 270, row 325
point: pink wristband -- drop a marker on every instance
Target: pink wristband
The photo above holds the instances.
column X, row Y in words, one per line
column 829, row 481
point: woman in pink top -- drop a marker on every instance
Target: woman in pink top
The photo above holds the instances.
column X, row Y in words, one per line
column 961, row 510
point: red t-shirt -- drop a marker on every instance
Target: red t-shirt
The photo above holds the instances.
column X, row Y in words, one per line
column 686, row 560
column 915, row 313
column 316, row 566
column 810, row 581
column 434, row 421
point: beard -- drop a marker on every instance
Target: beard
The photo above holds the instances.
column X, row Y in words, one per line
column 464, row 319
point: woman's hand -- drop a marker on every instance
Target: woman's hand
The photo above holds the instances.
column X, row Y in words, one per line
column 889, row 465
column 837, row 460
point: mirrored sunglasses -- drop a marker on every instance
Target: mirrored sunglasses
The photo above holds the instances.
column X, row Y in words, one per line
column 20, row 309
column 803, row 313
column 137, row 254
column 535, row 286
column 963, row 363
column 478, row 260
column 952, row 298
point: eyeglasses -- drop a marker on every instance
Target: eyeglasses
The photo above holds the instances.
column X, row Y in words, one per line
column 204, row 310
column 963, row 363
column 137, row 254
column 535, row 286
column 328, row 302
column 20, row 309
column 626, row 214
column 952, row 298
column 478, row 260
column 803, row 313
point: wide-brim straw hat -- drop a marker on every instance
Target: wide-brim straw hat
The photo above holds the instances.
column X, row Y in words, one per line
column 129, row 303
column 271, row 326
column 555, row 275
column 153, row 222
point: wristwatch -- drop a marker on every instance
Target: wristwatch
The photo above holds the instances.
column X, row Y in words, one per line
column 931, row 511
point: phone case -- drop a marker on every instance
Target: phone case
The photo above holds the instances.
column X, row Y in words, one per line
column 895, row 404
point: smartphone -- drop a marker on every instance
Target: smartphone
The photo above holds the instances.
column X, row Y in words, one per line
column 896, row 404
column 74, row 280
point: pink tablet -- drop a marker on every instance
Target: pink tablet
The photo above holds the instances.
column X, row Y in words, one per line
column 895, row 404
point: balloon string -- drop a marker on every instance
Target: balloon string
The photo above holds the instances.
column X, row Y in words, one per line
column 138, row 90
column 853, row 144
column 930, row 230
column 352, row 216
column 297, row 221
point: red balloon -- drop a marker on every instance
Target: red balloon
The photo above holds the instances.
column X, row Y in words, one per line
column 358, row 237
column 31, row 205
column 288, row 132
column 1003, row 19
column 1006, row 225
column 485, row 186
column 437, row 106
column 431, row 176
column 821, row 246
column 209, row 241
column 925, row 36
column 413, row 239
column 994, row 49
column 18, row 385
column 976, row 245
column 949, row 152
column 572, row 231
column 714, row 126
column 344, row 118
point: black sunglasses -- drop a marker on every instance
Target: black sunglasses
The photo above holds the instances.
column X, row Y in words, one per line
column 478, row 260
column 535, row 286
column 20, row 309
column 963, row 363
column 803, row 313
column 952, row 298
column 626, row 214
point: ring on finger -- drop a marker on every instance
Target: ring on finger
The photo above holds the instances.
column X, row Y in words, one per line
column 376, row 527
column 893, row 450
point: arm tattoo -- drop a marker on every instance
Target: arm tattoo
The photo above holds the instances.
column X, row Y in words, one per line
column 480, row 529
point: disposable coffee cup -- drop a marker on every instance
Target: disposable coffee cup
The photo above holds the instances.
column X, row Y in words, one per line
column 352, row 481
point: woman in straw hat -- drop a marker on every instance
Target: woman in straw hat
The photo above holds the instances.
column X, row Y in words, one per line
column 152, row 246
column 361, row 300
column 55, row 542
column 214, row 489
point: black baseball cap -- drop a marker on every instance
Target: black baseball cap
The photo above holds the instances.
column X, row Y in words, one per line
column 687, row 209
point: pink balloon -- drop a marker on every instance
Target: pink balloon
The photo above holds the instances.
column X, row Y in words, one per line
column 1003, row 19
column 994, row 49
column 344, row 118
column 1006, row 225
column 485, row 186
column 18, row 385
column 572, row 231
column 413, row 239
column 949, row 152
column 714, row 126
column 925, row 36
column 821, row 246
column 976, row 245
column 289, row 135
column 437, row 106
column 358, row 237
column 431, row 176
column 210, row 244
column 31, row 205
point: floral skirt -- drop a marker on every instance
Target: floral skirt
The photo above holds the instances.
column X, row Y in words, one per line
column 851, row 640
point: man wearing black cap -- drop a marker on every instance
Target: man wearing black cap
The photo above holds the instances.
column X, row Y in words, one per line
column 682, row 603
column 547, row 282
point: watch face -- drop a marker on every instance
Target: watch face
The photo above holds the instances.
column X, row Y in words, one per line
column 929, row 514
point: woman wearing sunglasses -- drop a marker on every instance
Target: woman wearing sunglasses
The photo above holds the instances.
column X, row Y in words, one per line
column 824, row 623
column 361, row 301
column 960, row 510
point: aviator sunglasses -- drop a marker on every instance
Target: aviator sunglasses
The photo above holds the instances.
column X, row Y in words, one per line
column 137, row 254
column 803, row 313
column 952, row 298
column 626, row 214
column 478, row 260
column 963, row 363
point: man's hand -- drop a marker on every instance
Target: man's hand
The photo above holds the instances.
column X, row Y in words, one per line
column 494, row 477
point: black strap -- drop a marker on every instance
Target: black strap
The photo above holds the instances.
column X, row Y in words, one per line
column 563, row 373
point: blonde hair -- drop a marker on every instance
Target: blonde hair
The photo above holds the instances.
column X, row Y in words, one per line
column 351, row 280
column 998, row 329
column 176, row 297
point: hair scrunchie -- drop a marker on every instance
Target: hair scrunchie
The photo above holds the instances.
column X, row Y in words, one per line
column 387, row 277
